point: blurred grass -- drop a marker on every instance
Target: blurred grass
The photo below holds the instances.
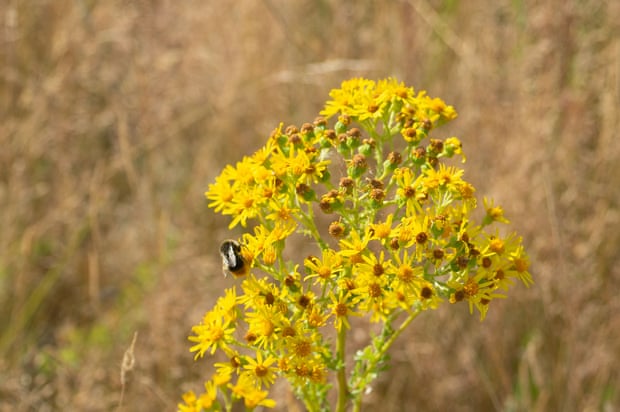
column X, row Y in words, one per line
column 115, row 116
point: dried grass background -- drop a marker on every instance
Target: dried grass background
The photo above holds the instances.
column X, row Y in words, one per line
column 116, row 115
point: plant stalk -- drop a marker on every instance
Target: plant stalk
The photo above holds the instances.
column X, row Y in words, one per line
column 343, row 388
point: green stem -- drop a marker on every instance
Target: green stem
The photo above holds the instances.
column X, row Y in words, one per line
column 400, row 330
column 343, row 389
column 307, row 220
column 357, row 403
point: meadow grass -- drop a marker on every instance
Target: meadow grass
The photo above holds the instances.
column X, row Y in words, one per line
column 115, row 116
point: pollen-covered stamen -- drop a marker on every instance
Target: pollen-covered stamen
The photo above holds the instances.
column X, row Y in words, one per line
column 341, row 310
column 320, row 121
column 330, row 134
column 291, row 129
column 248, row 202
column 459, row 295
column 435, row 146
column 303, row 301
column 462, row 262
column 295, row 139
column 394, row 158
column 421, row 238
column 307, row 128
column 235, row 361
column 269, row 298
column 419, row 153
column 326, row 205
column 345, row 119
column 376, row 183
column 370, row 142
column 336, row 229
column 409, row 134
column 359, row 161
column 496, row 245
column 324, row 272
column 426, row 292
column 374, row 290
column 302, row 189
column 303, row 348
column 377, row 195
column 355, row 133
column 288, row 331
column 347, row 184
column 349, row 284
column 521, row 265
column 261, row 371
column 290, row 281
column 355, row 259
column 250, row 337
column 302, row 371
column 409, row 192
column 471, row 288
column 405, row 273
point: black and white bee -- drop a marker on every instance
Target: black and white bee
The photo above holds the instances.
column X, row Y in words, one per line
column 232, row 260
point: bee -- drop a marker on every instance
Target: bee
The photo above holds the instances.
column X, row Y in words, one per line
column 232, row 260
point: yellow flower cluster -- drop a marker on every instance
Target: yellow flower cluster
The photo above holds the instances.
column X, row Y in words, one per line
column 392, row 229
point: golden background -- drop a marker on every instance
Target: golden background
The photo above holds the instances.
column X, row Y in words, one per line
column 116, row 115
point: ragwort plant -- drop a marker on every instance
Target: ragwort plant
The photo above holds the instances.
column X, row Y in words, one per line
column 394, row 236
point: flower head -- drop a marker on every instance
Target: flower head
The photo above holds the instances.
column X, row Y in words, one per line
column 356, row 214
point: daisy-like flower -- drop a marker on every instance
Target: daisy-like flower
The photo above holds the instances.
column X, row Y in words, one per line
column 221, row 194
column 392, row 91
column 354, row 246
column 453, row 146
column 409, row 276
column 311, row 370
column 376, row 266
column 371, row 291
column 214, row 332
column 245, row 205
column 341, row 309
column 260, row 370
column 281, row 212
column 521, row 264
column 252, row 396
column 477, row 290
column 326, row 269
column 225, row 370
column 227, row 305
column 382, row 231
column 208, row 399
column 190, row 403
column 263, row 324
column 436, row 109
column 415, row 232
column 446, row 177
column 352, row 98
column 493, row 213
